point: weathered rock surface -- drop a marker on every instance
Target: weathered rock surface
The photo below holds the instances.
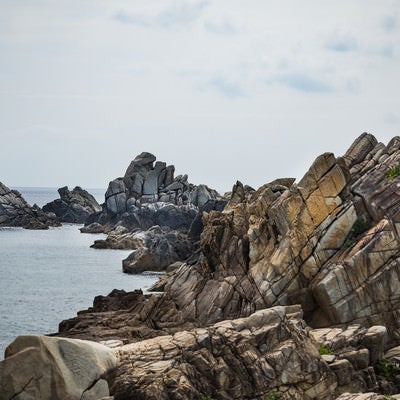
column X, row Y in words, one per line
column 149, row 195
column 329, row 243
column 73, row 206
column 302, row 243
column 15, row 211
column 40, row 367
column 268, row 353
column 155, row 248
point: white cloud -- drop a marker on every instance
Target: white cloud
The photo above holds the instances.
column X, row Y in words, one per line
column 173, row 16
column 223, row 89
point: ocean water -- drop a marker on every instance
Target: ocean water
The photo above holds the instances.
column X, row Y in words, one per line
column 47, row 276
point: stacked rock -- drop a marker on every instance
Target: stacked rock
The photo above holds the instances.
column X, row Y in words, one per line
column 149, row 181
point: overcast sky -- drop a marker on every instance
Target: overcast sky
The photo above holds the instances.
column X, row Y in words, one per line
column 223, row 89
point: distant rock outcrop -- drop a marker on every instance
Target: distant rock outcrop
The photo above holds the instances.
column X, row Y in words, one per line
column 15, row 211
column 73, row 206
column 148, row 195
column 149, row 198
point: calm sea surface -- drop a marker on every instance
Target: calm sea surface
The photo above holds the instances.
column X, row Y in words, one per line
column 47, row 276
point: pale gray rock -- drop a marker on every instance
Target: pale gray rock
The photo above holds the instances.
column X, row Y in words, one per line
column 150, row 186
column 116, row 196
column 169, row 176
column 40, row 367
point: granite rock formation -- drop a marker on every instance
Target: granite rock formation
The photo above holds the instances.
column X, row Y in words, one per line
column 149, row 194
column 40, row 367
column 270, row 353
column 294, row 292
column 318, row 243
column 154, row 213
column 155, row 248
column 329, row 243
column 15, row 211
column 73, row 206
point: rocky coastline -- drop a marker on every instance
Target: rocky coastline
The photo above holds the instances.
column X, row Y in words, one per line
column 73, row 206
column 290, row 291
column 16, row 212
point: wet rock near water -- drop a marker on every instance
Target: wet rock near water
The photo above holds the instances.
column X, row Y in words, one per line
column 15, row 211
column 154, row 249
column 73, row 206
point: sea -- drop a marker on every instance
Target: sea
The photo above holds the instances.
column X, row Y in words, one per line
column 47, row 276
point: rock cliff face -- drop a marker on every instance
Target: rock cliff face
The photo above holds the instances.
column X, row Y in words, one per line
column 73, row 206
column 329, row 243
column 15, row 211
column 294, row 293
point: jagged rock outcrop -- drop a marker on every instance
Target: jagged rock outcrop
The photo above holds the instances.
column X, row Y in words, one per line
column 150, row 198
column 40, row 367
column 316, row 243
column 15, row 211
column 149, row 194
column 329, row 243
column 302, row 243
column 73, row 206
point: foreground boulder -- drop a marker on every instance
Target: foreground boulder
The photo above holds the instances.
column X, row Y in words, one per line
column 15, row 211
column 40, row 367
column 73, row 206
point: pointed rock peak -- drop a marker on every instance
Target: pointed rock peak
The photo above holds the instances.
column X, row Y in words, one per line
column 359, row 149
column 238, row 195
column 318, row 169
column 144, row 158
column 394, row 144
column 63, row 192
column 141, row 164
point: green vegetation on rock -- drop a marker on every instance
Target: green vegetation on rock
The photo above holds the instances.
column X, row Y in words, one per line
column 393, row 172
column 273, row 395
column 359, row 227
column 387, row 369
column 324, row 350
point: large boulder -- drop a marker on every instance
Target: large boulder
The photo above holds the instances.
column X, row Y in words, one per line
column 155, row 248
column 15, row 211
column 160, row 249
column 40, row 367
column 73, row 206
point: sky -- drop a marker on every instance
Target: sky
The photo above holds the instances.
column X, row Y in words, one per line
column 225, row 90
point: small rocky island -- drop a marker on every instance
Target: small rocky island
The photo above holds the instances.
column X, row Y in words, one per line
column 15, row 211
column 73, row 206
column 290, row 291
